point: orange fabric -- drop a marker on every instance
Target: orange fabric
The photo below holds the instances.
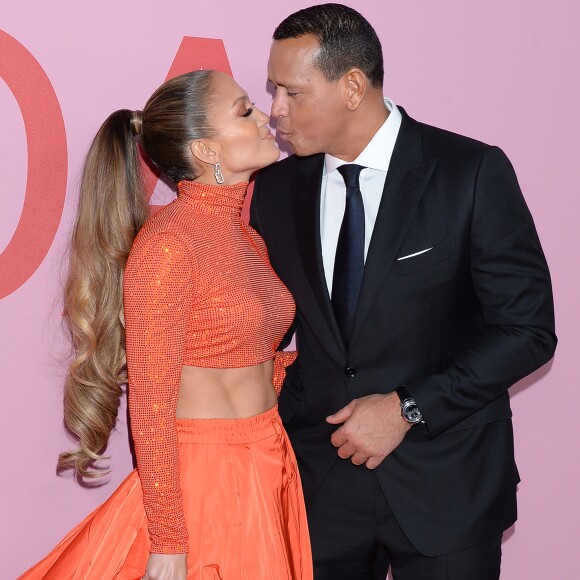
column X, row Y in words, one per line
column 282, row 359
column 243, row 505
column 199, row 290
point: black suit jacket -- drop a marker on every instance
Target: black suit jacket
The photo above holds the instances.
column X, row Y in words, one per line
column 458, row 325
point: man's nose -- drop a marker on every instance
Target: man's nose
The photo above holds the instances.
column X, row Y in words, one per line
column 279, row 106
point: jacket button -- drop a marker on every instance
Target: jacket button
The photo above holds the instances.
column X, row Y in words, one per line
column 350, row 372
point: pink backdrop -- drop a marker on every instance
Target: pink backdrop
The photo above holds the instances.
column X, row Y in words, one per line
column 503, row 71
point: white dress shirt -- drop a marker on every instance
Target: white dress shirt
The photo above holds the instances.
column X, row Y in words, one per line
column 376, row 158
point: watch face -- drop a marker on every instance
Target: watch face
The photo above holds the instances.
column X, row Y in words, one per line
column 411, row 412
column 414, row 415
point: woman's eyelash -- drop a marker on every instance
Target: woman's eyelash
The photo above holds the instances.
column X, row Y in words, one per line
column 249, row 111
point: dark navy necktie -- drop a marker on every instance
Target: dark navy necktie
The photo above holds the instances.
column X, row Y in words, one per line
column 349, row 261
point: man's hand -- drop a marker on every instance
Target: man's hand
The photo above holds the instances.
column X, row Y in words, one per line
column 372, row 428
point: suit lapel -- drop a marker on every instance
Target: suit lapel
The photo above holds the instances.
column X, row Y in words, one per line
column 307, row 219
column 406, row 180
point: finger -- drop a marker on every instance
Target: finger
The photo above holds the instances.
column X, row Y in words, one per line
column 338, row 438
column 341, row 415
column 345, row 451
column 358, row 458
column 374, row 461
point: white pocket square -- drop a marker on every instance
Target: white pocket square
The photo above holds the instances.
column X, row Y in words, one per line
column 415, row 254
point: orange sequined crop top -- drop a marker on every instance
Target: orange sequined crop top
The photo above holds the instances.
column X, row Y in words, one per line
column 198, row 290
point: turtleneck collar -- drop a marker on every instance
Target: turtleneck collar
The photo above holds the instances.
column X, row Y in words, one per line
column 223, row 200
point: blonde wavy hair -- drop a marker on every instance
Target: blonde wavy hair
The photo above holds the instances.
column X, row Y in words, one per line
column 112, row 208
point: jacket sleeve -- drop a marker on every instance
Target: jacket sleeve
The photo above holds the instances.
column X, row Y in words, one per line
column 158, row 290
column 511, row 280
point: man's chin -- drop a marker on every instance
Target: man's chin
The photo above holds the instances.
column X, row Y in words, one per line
column 301, row 151
column 297, row 148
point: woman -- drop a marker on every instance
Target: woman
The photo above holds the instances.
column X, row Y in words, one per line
column 216, row 493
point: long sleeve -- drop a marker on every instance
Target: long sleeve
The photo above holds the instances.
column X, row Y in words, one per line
column 158, row 291
column 512, row 283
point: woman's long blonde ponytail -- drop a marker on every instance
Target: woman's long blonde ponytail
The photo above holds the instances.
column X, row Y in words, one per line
column 112, row 209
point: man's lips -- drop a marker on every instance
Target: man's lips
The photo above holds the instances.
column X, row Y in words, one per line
column 284, row 135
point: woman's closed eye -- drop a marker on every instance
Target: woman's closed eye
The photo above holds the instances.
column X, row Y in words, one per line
column 249, row 111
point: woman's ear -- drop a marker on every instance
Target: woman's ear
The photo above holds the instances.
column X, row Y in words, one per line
column 203, row 151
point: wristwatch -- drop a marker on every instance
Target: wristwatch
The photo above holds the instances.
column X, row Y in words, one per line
column 409, row 410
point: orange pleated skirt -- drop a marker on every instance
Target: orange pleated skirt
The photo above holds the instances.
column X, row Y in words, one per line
column 243, row 505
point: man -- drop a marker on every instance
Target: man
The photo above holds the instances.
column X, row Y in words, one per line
column 422, row 295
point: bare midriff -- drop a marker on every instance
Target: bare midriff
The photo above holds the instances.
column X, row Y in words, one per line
column 208, row 393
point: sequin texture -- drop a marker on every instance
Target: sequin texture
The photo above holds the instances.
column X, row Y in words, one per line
column 199, row 290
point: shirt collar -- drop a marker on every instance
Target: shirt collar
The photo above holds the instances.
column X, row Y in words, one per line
column 377, row 154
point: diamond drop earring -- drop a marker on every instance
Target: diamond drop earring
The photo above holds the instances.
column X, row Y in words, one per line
column 217, row 173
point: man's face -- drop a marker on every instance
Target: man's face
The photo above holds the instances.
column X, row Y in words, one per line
column 310, row 111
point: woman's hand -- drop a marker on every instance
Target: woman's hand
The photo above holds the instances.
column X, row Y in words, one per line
column 166, row 567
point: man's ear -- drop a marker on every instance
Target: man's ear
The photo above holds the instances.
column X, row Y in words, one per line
column 355, row 86
column 204, row 151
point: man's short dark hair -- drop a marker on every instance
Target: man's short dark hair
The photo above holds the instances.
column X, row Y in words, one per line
column 346, row 39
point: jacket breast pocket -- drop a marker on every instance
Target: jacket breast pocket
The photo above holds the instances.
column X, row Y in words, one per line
column 423, row 258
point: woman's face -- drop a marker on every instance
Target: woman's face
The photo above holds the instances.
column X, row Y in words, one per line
column 244, row 142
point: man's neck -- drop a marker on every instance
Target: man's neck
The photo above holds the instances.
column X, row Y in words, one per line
column 366, row 121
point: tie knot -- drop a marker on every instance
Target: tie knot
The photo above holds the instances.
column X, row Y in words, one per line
column 350, row 174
